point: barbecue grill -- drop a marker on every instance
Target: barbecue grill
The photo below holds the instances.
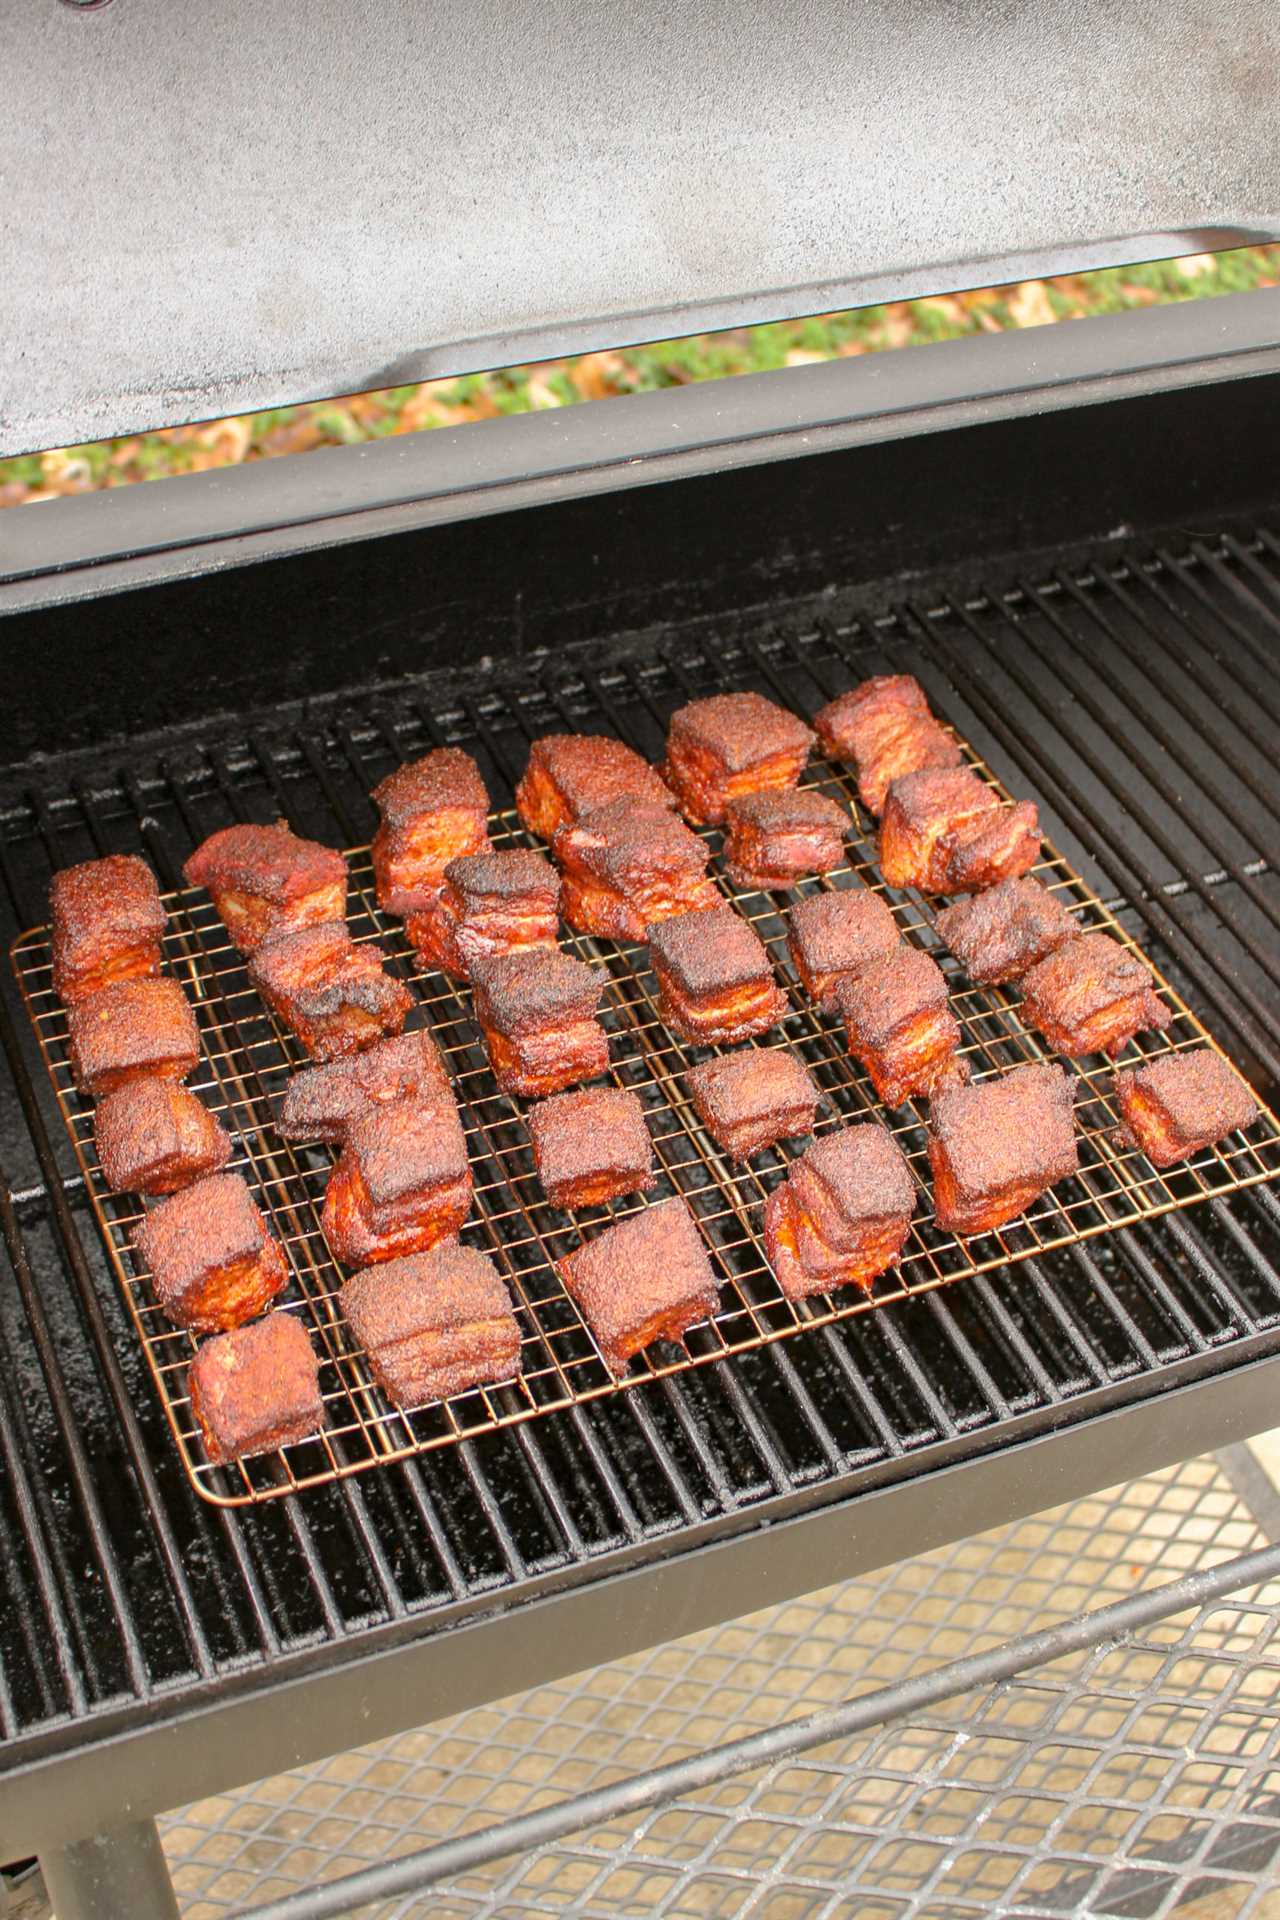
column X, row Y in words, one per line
column 1071, row 537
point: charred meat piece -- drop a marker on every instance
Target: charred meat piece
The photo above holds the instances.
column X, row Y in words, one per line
column 129, row 1028
column 999, row 935
column 321, row 1102
column 489, row 903
column 433, row 1323
column 401, row 1185
column 333, row 992
column 572, row 774
column 835, row 936
column 995, row 1147
column 590, row 1147
column 900, row 1027
column 1176, row 1106
column 886, row 729
column 728, row 744
column 945, row 831
column 715, row 983
column 106, row 924
column 434, row 810
column 211, row 1256
column 265, row 880
column 751, row 1099
column 628, row 865
column 153, row 1137
column 774, row 839
column 256, row 1389
column 1091, row 996
column 841, row 1215
column 537, row 1012
column 645, row 1278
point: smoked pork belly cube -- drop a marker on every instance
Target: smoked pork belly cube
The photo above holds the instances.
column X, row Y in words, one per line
column 775, row 838
column 591, row 1146
column 1092, row 996
column 886, row 729
column 265, row 880
column 842, row 1214
column 434, row 810
column 572, row 774
column 833, row 937
column 106, row 924
column 997, row 1146
column 999, row 935
column 130, row 1028
column 489, row 903
column 1181, row 1103
column 644, row 1278
column 536, row 1010
column 732, row 743
column 401, row 1185
column 256, row 1389
column 333, row 992
column 946, row 831
column 900, row 1027
column 433, row 1324
column 629, row 864
column 153, row 1137
column 751, row 1099
column 211, row 1256
column 321, row 1102
column 715, row 981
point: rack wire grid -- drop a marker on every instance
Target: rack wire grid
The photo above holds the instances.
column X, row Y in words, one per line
column 248, row 1058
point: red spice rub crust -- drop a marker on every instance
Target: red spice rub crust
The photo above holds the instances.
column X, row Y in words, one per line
column 265, row 880
column 885, row 727
column 842, row 1214
column 257, row 1389
column 536, row 1010
column 999, row 935
column 321, row 1102
column 212, row 1259
column 590, row 1147
column 572, row 774
column 129, row 1028
column 402, row 1183
column 1092, row 996
column 489, row 903
column 945, row 831
column 433, row 1324
column 630, row 864
column 645, row 1278
column 107, row 921
column 153, row 1137
column 900, row 1027
column 1176, row 1106
column 333, row 991
column 715, row 982
column 833, row 937
column 995, row 1147
column 732, row 743
column 775, row 838
column 434, row 810
column 752, row 1099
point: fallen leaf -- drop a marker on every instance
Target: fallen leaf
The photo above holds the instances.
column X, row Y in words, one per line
column 595, row 375
column 804, row 357
column 945, row 304
column 1192, row 265
column 848, row 348
column 1029, row 305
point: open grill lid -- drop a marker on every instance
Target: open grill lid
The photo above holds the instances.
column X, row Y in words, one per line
column 216, row 209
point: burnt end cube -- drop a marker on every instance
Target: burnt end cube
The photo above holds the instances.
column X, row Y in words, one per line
column 129, row 1028
column 886, row 729
column 842, row 1214
column 643, row 1279
column 715, row 982
column 401, row 1185
column 999, row 935
column 333, row 992
column 321, row 1102
column 946, row 831
column 434, row 810
column 572, row 774
column 265, row 880
column 628, row 865
column 433, row 1324
column 256, row 1389
column 750, row 1100
column 537, row 1011
column 729, row 744
column 1182, row 1103
column 833, row 937
column 153, row 1137
column 489, row 903
column 211, row 1256
column 1092, row 996
column 775, row 838
column 996, row 1147
column 900, row 1027
column 590, row 1147
column 107, row 922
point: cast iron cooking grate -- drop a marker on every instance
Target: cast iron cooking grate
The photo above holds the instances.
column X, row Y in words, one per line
column 248, row 1058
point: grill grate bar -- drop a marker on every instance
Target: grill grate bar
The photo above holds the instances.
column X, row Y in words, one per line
column 1184, row 571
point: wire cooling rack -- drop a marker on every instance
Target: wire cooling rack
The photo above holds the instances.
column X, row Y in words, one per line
column 248, row 1059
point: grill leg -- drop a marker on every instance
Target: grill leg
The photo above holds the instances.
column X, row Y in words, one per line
column 120, row 1874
